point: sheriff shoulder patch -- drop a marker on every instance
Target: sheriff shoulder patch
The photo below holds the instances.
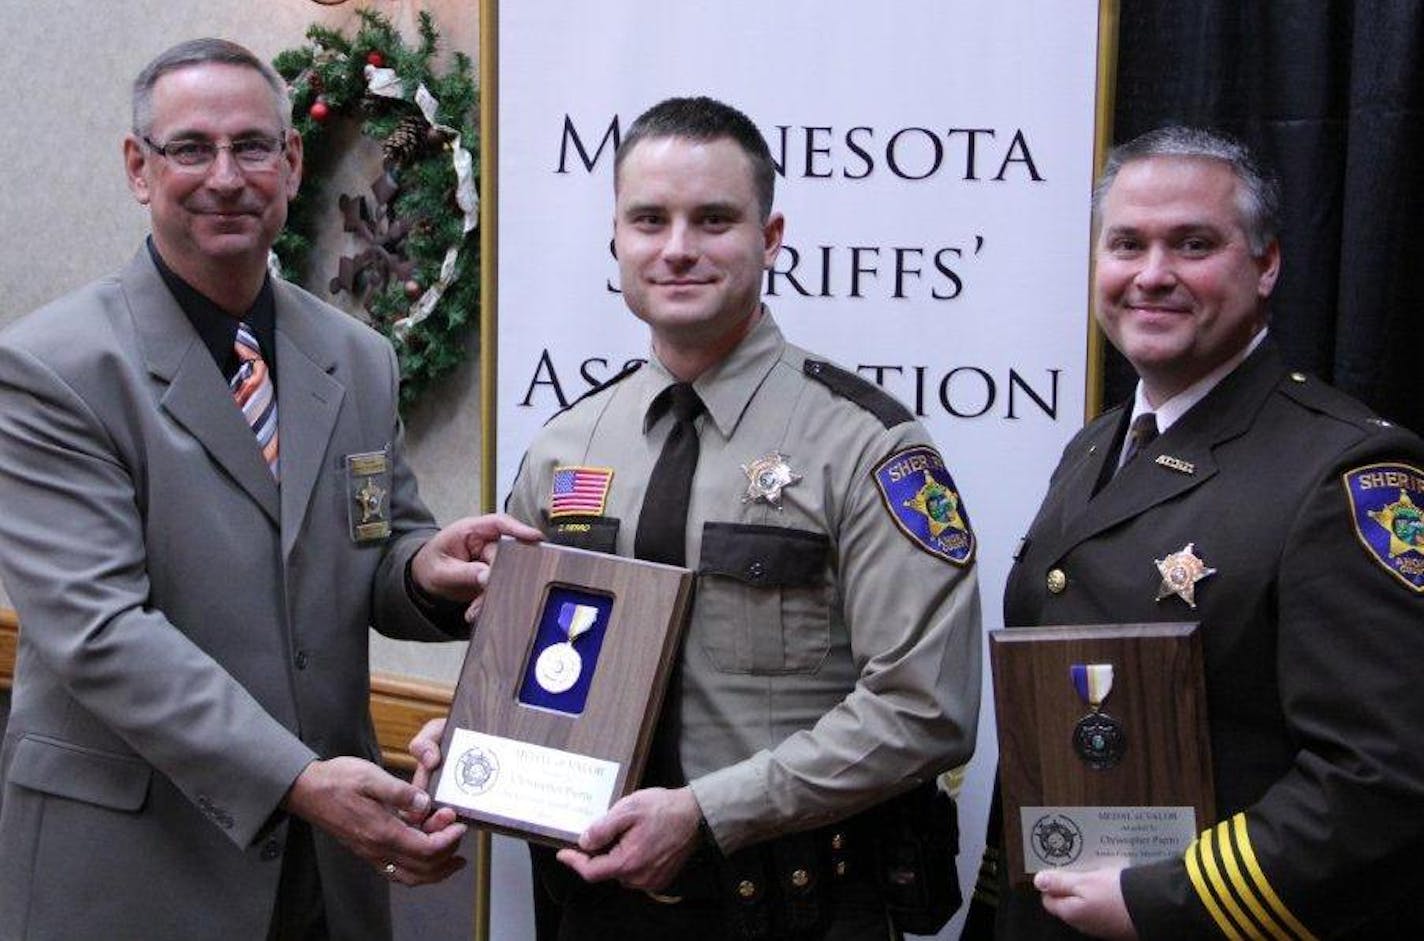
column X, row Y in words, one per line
column 1387, row 508
column 923, row 501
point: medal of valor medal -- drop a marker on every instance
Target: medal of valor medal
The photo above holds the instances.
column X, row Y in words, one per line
column 559, row 665
column 1098, row 738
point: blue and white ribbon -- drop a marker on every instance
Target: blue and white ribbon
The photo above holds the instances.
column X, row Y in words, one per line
column 1093, row 681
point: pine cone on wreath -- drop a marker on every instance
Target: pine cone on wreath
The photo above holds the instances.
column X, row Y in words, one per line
column 405, row 141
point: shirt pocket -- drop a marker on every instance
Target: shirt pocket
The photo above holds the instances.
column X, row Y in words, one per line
column 763, row 599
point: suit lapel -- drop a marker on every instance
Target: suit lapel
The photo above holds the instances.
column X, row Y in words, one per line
column 1081, row 481
column 1226, row 412
column 308, row 401
column 1140, row 486
column 195, row 395
column 1074, row 482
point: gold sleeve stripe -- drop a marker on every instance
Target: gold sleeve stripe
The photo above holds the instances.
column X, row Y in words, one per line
column 1244, row 888
column 1205, row 894
column 1208, row 856
column 1248, row 856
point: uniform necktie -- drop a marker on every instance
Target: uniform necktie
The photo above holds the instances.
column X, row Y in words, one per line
column 662, row 524
column 253, row 390
column 662, row 537
column 1140, row 436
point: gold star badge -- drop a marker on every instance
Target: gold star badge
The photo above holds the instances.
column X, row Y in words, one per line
column 1180, row 573
column 370, row 497
column 939, row 504
column 766, row 476
column 1404, row 522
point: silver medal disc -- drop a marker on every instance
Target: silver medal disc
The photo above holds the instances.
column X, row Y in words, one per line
column 558, row 668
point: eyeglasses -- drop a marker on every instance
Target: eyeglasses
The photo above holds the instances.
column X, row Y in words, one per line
column 250, row 153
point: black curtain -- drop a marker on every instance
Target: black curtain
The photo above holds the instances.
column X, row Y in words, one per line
column 1331, row 94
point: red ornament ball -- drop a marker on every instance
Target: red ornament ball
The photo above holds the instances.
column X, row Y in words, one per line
column 413, row 289
column 376, row 59
column 319, row 110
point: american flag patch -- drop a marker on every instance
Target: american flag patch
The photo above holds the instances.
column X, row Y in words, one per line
column 580, row 491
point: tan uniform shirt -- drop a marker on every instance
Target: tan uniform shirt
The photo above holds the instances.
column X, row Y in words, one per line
column 832, row 658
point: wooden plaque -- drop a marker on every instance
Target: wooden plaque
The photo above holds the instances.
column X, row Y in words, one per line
column 519, row 759
column 1060, row 811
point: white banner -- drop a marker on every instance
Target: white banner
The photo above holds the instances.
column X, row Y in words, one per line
column 936, row 164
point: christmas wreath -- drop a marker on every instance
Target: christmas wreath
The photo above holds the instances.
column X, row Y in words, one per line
column 416, row 268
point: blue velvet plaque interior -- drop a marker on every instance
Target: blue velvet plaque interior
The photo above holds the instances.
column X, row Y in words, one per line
column 566, row 610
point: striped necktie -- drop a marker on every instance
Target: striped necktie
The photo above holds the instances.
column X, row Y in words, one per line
column 252, row 388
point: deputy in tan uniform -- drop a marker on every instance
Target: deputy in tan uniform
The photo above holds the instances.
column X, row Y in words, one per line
column 832, row 659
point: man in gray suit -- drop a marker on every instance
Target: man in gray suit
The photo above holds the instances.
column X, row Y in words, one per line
column 196, row 559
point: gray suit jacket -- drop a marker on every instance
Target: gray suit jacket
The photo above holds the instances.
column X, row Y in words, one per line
column 192, row 635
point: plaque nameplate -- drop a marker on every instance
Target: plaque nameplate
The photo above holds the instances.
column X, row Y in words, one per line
column 1093, row 837
column 513, row 780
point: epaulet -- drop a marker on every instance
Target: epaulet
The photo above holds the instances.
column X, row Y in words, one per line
column 601, row 387
column 1318, row 396
column 862, row 392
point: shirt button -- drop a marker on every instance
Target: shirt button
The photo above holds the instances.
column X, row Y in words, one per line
column 301, row 659
column 1057, row 581
column 270, row 850
column 755, row 570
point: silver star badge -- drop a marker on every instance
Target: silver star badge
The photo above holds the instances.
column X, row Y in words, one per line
column 1180, row 573
column 766, row 476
